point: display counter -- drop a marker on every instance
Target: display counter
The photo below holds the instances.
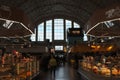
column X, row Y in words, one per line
column 18, row 68
column 89, row 75
column 95, row 70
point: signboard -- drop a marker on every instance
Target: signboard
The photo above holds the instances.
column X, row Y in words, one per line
column 74, row 36
column 74, row 32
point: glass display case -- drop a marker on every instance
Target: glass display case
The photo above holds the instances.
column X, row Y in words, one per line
column 108, row 68
column 15, row 67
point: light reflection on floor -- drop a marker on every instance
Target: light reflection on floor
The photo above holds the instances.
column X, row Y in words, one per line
column 64, row 72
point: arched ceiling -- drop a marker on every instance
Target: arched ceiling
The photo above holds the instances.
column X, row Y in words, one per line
column 77, row 10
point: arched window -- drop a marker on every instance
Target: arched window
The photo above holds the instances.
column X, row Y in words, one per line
column 58, row 29
column 68, row 24
column 40, row 33
column 54, row 29
column 49, row 30
column 76, row 25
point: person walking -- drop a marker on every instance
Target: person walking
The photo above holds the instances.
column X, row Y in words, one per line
column 52, row 65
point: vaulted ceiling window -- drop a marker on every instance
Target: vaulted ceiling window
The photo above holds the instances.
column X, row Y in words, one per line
column 58, row 29
column 49, row 30
column 54, row 29
column 40, row 33
column 68, row 24
column 76, row 25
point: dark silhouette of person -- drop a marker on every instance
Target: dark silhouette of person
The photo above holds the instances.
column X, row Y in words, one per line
column 52, row 65
column 76, row 61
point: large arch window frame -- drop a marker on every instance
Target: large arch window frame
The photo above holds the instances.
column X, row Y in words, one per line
column 52, row 30
column 58, row 29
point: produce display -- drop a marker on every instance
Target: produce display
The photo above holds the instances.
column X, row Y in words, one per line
column 16, row 66
column 109, row 67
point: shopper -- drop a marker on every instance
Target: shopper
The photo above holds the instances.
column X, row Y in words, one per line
column 52, row 65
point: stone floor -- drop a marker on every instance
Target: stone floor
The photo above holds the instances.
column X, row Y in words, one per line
column 63, row 72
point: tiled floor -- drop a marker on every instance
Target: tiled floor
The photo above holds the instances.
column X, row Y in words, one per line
column 64, row 72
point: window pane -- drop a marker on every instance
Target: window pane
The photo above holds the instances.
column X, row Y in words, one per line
column 76, row 25
column 41, row 32
column 58, row 47
column 85, row 38
column 33, row 36
column 58, row 29
column 68, row 25
column 49, row 30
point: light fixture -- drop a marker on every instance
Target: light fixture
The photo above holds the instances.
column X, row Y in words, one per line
column 102, row 40
column 109, row 48
column 109, row 24
column 8, row 24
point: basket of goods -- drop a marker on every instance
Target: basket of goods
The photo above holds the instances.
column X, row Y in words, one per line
column 114, row 71
column 107, row 72
column 29, row 73
column 95, row 69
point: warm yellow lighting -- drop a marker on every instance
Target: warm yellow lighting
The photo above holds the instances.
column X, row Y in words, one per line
column 109, row 48
column 65, row 49
column 93, row 46
column 76, row 32
column 98, row 47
